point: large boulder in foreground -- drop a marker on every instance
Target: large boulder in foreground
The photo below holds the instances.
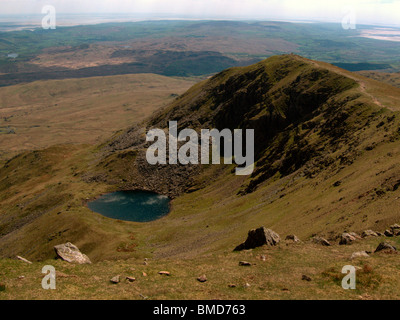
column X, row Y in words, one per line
column 259, row 237
column 70, row 253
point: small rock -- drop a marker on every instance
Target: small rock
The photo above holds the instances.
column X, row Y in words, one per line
column 346, row 239
column 321, row 241
column 359, row 254
column 2, row 287
column 232, row 285
column 202, row 278
column 164, row 273
column 292, row 237
column 396, row 232
column 263, row 257
column 145, row 263
column 21, row 277
column 246, row 285
column 388, row 233
column 244, row 264
column 369, row 233
column 306, row 278
column 384, row 246
column 24, row 260
column 115, row 279
column 130, row 279
column 144, row 274
column 380, row 234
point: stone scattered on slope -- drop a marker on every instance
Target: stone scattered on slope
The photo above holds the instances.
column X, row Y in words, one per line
column 115, row 279
column 346, row 239
column 388, row 233
column 164, row 273
column 321, row 241
column 259, row 237
column 70, row 253
column 202, row 278
column 395, row 227
column 130, row 279
column 369, row 233
column 355, row 235
column 292, row 237
column 384, row 246
column 306, row 278
column 244, row 264
column 24, row 260
column 359, row 254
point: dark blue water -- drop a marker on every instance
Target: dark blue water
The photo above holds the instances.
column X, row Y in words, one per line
column 138, row 206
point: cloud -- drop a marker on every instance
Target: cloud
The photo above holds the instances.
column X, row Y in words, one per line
column 367, row 11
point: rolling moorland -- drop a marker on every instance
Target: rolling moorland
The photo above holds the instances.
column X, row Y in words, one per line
column 327, row 144
column 184, row 48
column 87, row 110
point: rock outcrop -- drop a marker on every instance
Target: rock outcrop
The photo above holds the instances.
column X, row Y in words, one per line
column 293, row 238
column 321, row 241
column 384, row 246
column 259, row 237
column 70, row 253
column 346, row 238
column 369, row 233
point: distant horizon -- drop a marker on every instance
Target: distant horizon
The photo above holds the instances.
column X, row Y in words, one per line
column 142, row 17
column 366, row 12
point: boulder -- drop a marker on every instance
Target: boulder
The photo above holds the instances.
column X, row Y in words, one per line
column 355, row 235
column 346, row 238
column 369, row 233
column 292, row 237
column 359, row 254
column 388, row 233
column 384, row 246
column 321, row 241
column 259, row 237
column 70, row 253
column 395, row 227
column 115, row 279
column 306, row 278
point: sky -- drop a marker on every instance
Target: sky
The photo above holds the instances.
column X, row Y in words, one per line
column 382, row 12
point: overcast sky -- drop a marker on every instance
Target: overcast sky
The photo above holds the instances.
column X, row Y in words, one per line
column 367, row 11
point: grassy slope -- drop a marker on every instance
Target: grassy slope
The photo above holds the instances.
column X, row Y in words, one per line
column 204, row 226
